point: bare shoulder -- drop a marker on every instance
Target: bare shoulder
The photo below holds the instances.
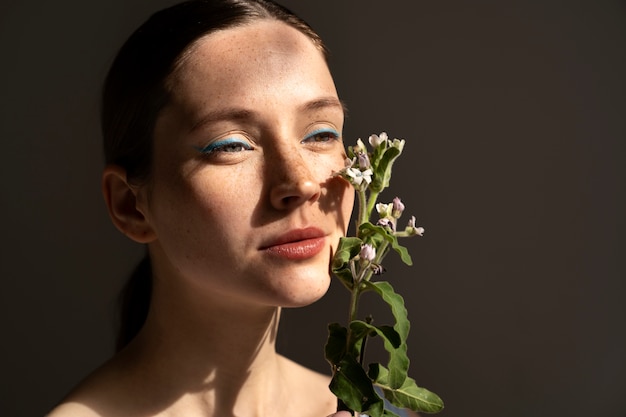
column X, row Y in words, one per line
column 72, row 409
column 82, row 400
column 92, row 396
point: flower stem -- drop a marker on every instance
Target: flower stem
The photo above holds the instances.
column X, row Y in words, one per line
column 364, row 211
column 371, row 203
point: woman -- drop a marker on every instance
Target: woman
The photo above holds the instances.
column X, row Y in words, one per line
column 222, row 131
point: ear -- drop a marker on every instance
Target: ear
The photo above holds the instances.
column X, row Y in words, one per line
column 122, row 202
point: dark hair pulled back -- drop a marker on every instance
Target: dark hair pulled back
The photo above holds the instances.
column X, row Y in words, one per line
column 136, row 90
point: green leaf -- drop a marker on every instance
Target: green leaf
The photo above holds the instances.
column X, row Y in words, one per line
column 414, row 398
column 369, row 231
column 350, row 152
column 335, row 348
column 409, row 395
column 347, row 249
column 345, row 276
column 398, row 358
column 374, row 372
column 390, row 336
column 396, row 303
column 382, row 170
column 402, row 251
column 377, row 153
column 351, row 384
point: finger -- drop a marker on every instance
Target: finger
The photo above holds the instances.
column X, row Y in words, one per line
column 341, row 414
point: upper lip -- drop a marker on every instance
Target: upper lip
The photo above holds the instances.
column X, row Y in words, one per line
column 294, row 235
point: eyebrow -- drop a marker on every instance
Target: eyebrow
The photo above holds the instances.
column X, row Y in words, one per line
column 324, row 102
column 243, row 114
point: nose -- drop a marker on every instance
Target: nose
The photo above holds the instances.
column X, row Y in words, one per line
column 292, row 180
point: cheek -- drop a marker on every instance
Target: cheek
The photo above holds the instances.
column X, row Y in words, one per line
column 347, row 204
column 338, row 193
column 339, row 200
column 185, row 207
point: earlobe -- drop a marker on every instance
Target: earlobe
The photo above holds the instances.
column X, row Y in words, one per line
column 121, row 201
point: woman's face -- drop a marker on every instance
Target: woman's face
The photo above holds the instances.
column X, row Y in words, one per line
column 242, row 197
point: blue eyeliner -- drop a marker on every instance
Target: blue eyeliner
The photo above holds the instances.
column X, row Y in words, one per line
column 221, row 143
column 324, row 130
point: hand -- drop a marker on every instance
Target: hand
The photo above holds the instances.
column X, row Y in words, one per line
column 341, row 414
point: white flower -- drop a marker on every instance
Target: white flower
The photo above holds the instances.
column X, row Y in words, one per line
column 357, row 176
column 384, row 210
column 368, row 252
column 360, row 146
column 412, row 230
column 377, row 140
column 397, row 143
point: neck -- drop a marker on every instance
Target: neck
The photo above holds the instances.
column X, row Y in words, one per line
column 221, row 352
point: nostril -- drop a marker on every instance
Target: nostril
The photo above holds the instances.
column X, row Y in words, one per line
column 292, row 194
column 291, row 176
column 290, row 200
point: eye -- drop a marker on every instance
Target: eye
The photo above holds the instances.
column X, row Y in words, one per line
column 322, row 136
column 227, row 145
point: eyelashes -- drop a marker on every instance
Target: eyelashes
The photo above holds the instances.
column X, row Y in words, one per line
column 228, row 145
column 322, row 135
column 234, row 145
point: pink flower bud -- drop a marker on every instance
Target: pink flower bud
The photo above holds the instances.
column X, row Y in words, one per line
column 386, row 222
column 398, row 208
column 368, row 252
column 364, row 161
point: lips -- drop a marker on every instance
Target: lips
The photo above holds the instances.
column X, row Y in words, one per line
column 297, row 244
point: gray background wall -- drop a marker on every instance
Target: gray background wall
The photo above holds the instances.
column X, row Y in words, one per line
column 514, row 113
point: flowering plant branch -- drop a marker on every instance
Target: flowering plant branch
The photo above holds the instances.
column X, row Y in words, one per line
column 357, row 261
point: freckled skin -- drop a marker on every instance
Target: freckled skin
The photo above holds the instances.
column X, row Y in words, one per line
column 208, row 345
column 211, row 215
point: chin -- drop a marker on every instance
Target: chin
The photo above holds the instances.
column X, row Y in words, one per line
column 304, row 292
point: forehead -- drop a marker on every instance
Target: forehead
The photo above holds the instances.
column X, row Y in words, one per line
column 263, row 35
column 256, row 59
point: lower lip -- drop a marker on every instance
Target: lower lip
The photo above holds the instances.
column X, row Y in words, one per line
column 303, row 249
